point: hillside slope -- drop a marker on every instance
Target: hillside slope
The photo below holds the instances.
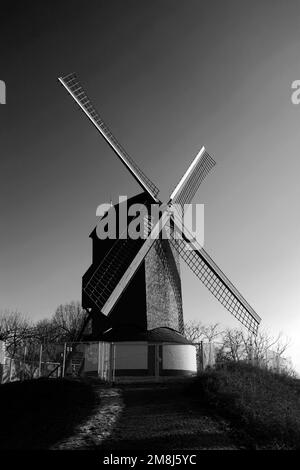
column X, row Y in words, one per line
column 237, row 407
column 263, row 407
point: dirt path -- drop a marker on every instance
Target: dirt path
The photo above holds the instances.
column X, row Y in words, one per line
column 91, row 434
column 149, row 417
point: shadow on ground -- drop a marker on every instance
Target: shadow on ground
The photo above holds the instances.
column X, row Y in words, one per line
column 35, row 414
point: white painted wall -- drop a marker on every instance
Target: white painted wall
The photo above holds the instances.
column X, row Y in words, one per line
column 91, row 353
column 179, row 356
column 134, row 355
column 131, row 355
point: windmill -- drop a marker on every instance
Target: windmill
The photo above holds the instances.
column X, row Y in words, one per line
column 120, row 262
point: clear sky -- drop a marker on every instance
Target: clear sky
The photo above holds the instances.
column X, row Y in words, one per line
column 168, row 77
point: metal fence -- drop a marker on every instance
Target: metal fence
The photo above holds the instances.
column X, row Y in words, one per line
column 98, row 359
column 210, row 354
column 57, row 360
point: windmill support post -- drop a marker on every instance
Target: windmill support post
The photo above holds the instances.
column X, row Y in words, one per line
column 23, row 369
column 99, row 360
column 10, row 368
column 40, row 359
column 64, row 360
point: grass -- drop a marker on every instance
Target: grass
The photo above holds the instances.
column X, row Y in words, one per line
column 263, row 407
column 35, row 414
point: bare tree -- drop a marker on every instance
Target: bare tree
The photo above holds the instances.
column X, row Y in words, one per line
column 256, row 347
column 280, row 344
column 233, row 346
column 212, row 332
column 239, row 345
column 47, row 331
column 193, row 331
column 68, row 320
column 14, row 329
column 197, row 332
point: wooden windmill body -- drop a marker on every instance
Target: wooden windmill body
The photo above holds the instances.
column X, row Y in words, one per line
column 151, row 300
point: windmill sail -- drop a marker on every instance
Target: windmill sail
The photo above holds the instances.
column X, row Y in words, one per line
column 193, row 177
column 74, row 87
column 216, row 281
